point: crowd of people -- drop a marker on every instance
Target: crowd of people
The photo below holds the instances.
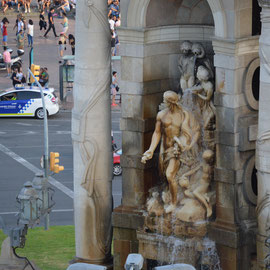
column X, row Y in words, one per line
column 25, row 31
column 114, row 18
column 25, row 5
column 114, row 21
column 60, row 8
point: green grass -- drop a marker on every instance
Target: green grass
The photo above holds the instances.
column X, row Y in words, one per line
column 50, row 250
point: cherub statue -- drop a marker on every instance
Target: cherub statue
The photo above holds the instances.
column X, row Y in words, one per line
column 201, row 60
column 201, row 191
column 186, row 66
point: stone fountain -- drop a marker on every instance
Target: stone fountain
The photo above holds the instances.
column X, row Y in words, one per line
column 179, row 208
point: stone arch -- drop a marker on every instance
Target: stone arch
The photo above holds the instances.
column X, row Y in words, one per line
column 136, row 16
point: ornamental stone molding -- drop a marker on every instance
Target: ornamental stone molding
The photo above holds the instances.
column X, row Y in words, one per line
column 137, row 10
column 264, row 3
column 252, row 102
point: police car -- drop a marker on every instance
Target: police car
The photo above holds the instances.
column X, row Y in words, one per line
column 26, row 101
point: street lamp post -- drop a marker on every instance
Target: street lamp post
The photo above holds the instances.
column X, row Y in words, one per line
column 46, row 142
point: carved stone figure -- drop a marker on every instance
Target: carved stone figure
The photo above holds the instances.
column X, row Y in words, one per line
column 185, row 129
column 179, row 132
column 92, row 146
column 204, row 90
column 154, row 204
column 200, row 192
column 201, row 59
column 186, row 66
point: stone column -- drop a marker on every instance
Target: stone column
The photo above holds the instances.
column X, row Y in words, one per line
column 91, row 133
column 263, row 139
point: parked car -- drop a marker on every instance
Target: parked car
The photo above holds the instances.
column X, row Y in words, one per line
column 26, row 101
column 117, row 169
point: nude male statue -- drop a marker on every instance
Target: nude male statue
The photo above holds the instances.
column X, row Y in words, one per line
column 178, row 132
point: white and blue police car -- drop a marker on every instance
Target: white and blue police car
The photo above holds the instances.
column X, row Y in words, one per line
column 26, row 101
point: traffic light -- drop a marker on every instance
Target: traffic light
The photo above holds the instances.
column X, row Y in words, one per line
column 35, row 69
column 54, row 160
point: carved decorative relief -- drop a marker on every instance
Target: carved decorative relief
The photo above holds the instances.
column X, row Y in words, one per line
column 185, row 130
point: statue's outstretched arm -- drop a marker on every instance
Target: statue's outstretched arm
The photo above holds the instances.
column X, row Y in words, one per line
column 154, row 142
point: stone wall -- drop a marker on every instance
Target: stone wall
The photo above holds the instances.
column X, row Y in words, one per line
column 181, row 12
column 235, row 225
column 150, row 49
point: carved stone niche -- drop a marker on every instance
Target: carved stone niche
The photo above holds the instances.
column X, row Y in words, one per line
column 185, row 127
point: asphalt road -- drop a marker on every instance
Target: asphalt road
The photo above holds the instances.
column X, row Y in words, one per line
column 21, row 147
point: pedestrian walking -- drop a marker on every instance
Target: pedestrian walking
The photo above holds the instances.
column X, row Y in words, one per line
column 62, row 44
column 114, row 87
column 71, row 41
column 7, row 60
column 27, row 4
column 65, row 7
column 19, row 4
column 40, row 4
column 65, row 24
column 19, row 24
column 4, row 25
column 42, row 21
column 51, row 23
column 30, row 33
column 20, row 40
column 4, row 5
column 46, row 4
column 112, row 42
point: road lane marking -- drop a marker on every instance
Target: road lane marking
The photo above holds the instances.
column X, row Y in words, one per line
column 27, row 133
column 24, row 124
column 34, row 169
column 38, row 146
column 63, row 132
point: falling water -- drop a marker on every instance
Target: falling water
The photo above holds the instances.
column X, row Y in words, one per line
column 209, row 255
column 172, row 250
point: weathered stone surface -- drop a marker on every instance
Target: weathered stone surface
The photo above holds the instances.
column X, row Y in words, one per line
column 164, row 226
column 230, row 101
column 227, row 138
column 137, row 125
column 137, row 184
column 123, row 233
column 246, row 143
column 8, row 261
column 229, row 157
column 225, row 175
column 232, row 117
column 132, row 143
column 123, row 217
